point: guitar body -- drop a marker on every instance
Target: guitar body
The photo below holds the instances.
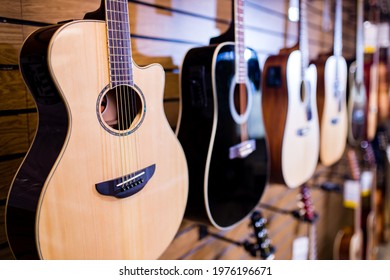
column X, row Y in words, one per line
column 291, row 122
column 356, row 109
column 332, row 108
column 55, row 192
column 348, row 245
column 222, row 190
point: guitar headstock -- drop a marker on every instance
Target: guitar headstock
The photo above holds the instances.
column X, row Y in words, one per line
column 306, row 206
column 263, row 245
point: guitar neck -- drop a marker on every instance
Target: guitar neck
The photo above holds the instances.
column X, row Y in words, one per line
column 241, row 70
column 312, row 241
column 338, row 30
column 303, row 36
column 359, row 43
column 119, row 45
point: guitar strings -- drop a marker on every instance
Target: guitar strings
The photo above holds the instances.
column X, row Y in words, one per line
column 116, row 66
column 121, row 87
column 111, row 150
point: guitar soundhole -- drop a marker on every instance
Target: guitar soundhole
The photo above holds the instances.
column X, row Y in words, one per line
column 303, row 91
column 240, row 99
column 240, row 102
column 121, row 109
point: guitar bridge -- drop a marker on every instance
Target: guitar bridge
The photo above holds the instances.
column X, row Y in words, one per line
column 242, row 150
column 126, row 185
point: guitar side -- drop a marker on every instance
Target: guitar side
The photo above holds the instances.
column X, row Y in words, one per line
column 332, row 109
column 73, row 220
column 223, row 190
column 52, row 129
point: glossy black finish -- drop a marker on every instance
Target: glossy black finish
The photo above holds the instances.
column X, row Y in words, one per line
column 230, row 189
column 22, row 202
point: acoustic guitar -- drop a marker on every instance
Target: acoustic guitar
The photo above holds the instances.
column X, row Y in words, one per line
column 96, row 182
column 357, row 99
column 331, row 97
column 371, row 216
column 221, row 128
column 348, row 244
column 290, row 111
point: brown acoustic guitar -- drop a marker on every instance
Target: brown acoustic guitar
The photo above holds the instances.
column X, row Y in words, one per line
column 105, row 177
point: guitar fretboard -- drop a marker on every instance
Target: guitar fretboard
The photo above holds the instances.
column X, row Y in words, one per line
column 303, row 37
column 119, row 45
column 338, row 29
column 240, row 42
column 359, row 43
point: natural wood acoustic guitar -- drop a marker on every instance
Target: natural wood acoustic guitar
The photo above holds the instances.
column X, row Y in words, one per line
column 290, row 111
column 105, row 177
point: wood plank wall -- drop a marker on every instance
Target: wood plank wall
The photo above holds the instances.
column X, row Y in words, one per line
column 162, row 32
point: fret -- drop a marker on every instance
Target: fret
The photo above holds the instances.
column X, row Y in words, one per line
column 119, row 53
column 118, row 41
column 117, row 12
column 125, row 44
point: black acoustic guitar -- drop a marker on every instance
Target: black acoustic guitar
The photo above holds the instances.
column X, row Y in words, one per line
column 221, row 128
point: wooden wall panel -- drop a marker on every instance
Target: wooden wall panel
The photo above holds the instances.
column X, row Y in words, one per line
column 3, row 237
column 55, row 11
column 162, row 32
column 8, row 170
column 13, row 134
column 14, row 93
